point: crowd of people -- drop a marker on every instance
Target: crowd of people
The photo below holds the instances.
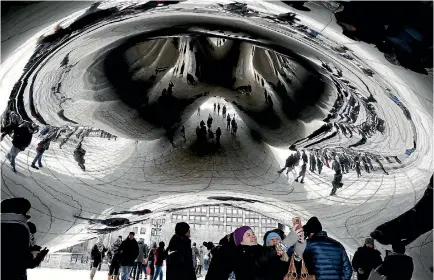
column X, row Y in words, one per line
column 340, row 161
column 304, row 251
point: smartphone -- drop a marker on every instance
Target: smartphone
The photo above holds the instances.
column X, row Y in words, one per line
column 296, row 221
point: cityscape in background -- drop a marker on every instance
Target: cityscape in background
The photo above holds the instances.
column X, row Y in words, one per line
column 207, row 223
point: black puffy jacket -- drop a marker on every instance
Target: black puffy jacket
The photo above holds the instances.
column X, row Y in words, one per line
column 367, row 259
column 250, row 262
column 326, row 258
column 129, row 250
column 22, row 137
column 179, row 260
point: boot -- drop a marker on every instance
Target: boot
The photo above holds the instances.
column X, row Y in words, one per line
column 34, row 166
column 40, row 165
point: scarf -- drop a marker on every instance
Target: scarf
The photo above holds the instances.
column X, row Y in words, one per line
column 13, row 218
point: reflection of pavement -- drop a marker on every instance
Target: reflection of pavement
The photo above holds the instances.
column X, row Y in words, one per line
column 67, row 274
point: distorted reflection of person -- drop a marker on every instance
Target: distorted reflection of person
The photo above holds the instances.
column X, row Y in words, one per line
column 79, row 153
column 302, row 173
column 22, row 138
column 42, row 146
column 396, row 266
column 228, row 121
column 209, row 121
column 337, row 182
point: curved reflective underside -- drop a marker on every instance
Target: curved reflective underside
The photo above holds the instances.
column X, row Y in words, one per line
column 129, row 86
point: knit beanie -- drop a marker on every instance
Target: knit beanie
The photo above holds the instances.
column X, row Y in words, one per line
column 182, row 228
column 369, row 241
column 17, row 205
column 313, row 225
column 271, row 235
column 239, row 233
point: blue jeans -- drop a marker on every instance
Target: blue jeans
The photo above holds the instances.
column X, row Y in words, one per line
column 158, row 272
column 12, row 155
column 125, row 272
column 137, row 270
column 38, row 158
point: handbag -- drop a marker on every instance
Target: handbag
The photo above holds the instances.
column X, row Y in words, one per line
column 292, row 271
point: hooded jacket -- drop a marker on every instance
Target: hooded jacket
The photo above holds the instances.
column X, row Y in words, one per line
column 180, row 259
column 15, row 239
column 22, row 137
column 326, row 258
column 129, row 250
column 142, row 249
column 222, row 261
column 98, row 253
column 367, row 259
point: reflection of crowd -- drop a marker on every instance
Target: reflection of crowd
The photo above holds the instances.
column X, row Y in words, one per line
column 341, row 161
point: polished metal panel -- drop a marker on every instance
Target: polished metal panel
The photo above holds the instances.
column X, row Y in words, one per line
column 122, row 89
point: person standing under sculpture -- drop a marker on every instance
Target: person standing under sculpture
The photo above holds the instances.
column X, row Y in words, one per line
column 139, row 260
column 357, row 166
column 159, row 257
column 114, row 257
column 15, row 238
column 215, row 107
column 179, row 263
column 224, row 111
column 198, row 111
column 312, row 162
column 366, row 259
column 218, row 109
column 129, row 251
column 97, row 255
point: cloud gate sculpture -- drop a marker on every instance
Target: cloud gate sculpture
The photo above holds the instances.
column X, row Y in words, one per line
column 138, row 109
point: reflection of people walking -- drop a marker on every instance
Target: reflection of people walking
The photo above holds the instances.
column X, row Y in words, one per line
column 22, row 138
column 224, row 111
column 218, row 109
column 198, row 111
column 337, row 182
column 79, row 153
column 228, row 120
column 209, row 121
column 302, row 173
column 42, row 147
column 215, row 107
column 319, row 165
column 218, row 133
column 183, row 133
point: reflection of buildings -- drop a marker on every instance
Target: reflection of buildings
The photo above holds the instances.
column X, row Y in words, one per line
column 223, row 220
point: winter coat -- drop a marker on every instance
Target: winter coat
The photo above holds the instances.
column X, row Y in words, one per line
column 79, row 155
column 97, row 255
column 251, row 262
column 142, row 252
column 326, row 258
column 16, row 256
column 367, row 259
column 159, row 256
column 43, row 146
column 397, row 267
column 221, row 264
column 276, row 269
column 129, row 251
column 22, row 137
column 179, row 259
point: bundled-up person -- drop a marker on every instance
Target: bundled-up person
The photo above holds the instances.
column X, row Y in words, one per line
column 129, row 251
column 79, row 153
column 250, row 258
column 114, row 258
column 97, row 254
column 40, row 149
column 138, row 265
column 277, row 268
column 396, row 266
column 195, row 253
column 16, row 255
column 159, row 257
column 35, row 248
column 179, row 255
column 222, row 259
column 151, row 260
column 366, row 259
column 324, row 257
